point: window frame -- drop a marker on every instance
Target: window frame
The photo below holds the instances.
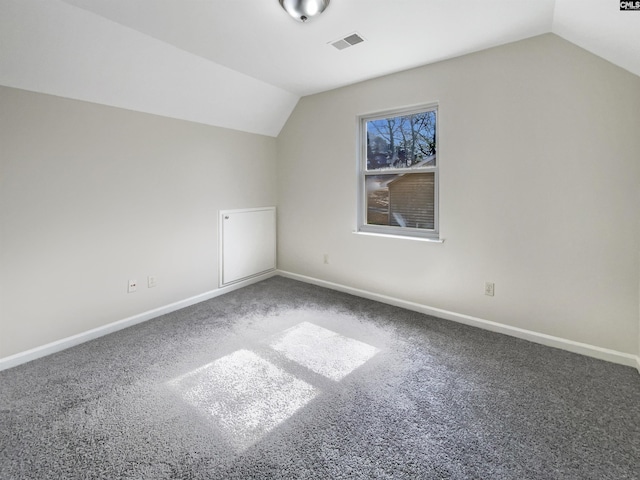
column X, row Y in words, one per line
column 363, row 173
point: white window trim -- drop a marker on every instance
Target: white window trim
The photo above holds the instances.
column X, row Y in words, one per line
column 389, row 230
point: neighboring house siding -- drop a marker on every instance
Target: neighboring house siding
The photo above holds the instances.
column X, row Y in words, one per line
column 411, row 200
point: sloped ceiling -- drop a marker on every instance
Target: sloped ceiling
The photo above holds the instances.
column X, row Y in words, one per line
column 244, row 64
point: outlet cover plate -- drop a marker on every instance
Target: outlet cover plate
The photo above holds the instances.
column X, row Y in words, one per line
column 489, row 289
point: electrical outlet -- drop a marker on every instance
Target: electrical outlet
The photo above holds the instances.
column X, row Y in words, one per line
column 326, row 258
column 133, row 286
column 489, row 289
column 151, row 281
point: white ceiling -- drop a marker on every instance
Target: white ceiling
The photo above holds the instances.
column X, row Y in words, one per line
column 243, row 64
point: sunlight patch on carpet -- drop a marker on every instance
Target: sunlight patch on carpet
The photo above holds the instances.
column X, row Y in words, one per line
column 246, row 395
column 323, row 351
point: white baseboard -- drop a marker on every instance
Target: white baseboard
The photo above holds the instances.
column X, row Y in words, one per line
column 63, row 344
column 541, row 338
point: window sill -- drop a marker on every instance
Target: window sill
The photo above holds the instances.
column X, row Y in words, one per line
column 401, row 237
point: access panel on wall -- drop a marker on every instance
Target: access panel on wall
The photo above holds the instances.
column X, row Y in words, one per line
column 247, row 243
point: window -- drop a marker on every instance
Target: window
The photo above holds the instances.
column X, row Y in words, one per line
column 399, row 173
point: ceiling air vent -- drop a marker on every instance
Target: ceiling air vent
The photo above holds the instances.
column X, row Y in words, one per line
column 347, row 41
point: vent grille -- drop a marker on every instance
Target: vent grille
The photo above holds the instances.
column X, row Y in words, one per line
column 347, row 41
column 354, row 39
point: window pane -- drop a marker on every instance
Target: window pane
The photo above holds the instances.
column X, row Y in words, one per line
column 405, row 141
column 404, row 200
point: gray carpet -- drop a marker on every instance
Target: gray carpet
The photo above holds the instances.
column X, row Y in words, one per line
column 287, row 380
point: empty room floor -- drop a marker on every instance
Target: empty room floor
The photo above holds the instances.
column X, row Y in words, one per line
column 283, row 379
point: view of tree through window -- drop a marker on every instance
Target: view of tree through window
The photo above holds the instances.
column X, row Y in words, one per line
column 401, row 171
column 400, row 142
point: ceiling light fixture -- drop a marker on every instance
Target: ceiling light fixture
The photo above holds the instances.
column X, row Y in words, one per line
column 303, row 10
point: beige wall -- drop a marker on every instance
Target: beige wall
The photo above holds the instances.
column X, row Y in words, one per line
column 540, row 192
column 92, row 196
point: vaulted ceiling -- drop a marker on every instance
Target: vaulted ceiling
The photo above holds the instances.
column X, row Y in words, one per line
column 243, row 64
